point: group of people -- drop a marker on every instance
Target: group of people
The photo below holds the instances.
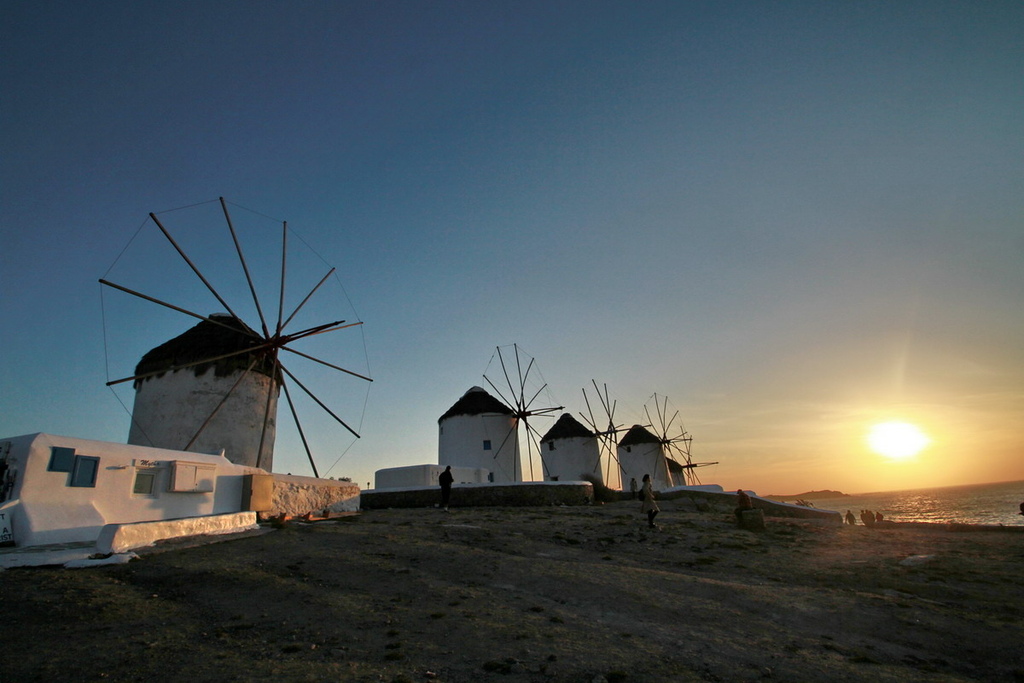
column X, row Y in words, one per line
column 867, row 517
column 650, row 507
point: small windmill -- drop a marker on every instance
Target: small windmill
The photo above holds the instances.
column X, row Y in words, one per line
column 606, row 430
column 675, row 442
column 520, row 376
column 238, row 353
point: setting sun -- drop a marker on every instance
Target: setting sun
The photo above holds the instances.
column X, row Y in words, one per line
column 897, row 440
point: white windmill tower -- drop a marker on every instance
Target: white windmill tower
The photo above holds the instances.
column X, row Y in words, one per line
column 473, row 433
column 229, row 405
column 661, row 449
column 570, row 451
column 640, row 454
column 513, row 375
column 216, row 386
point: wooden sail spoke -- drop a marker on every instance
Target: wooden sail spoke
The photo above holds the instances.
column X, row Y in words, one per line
column 245, row 268
column 303, row 303
column 319, row 402
column 192, row 265
column 298, row 426
column 323, row 362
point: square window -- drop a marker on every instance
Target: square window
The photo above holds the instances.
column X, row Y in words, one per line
column 487, row 444
column 61, row 459
column 145, row 483
column 84, row 474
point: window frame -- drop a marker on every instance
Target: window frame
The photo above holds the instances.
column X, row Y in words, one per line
column 78, row 474
column 62, row 459
column 152, row 474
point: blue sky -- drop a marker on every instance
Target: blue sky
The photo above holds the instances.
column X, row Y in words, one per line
column 792, row 219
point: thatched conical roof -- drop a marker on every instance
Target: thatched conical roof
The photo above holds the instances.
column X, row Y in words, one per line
column 638, row 434
column 207, row 340
column 566, row 427
column 476, row 401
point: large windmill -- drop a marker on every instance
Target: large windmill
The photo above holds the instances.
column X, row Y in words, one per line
column 216, row 385
column 675, row 442
column 514, row 377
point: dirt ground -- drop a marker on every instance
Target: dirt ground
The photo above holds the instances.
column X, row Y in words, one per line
column 573, row 594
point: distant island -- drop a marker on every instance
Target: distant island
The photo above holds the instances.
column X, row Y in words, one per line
column 810, row 495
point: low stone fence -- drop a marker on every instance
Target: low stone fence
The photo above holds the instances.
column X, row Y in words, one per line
column 294, row 496
column 483, row 495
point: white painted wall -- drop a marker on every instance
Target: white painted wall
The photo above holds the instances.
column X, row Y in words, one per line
column 461, row 443
column 417, row 476
column 643, row 458
column 42, row 508
column 171, row 408
column 568, row 459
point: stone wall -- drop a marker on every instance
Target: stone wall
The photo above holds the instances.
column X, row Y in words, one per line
column 295, row 496
column 484, row 495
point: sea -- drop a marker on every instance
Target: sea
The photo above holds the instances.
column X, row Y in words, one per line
column 971, row 504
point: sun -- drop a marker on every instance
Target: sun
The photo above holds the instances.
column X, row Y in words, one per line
column 897, row 440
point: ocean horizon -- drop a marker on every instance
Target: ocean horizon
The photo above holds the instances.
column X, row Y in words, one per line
column 993, row 503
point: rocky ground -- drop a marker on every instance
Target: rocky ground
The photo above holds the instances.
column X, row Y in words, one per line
column 573, row 594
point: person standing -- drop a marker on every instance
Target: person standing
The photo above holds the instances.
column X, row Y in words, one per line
column 649, row 506
column 632, row 488
column 445, row 479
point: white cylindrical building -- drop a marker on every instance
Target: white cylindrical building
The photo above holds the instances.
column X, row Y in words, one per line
column 174, row 406
column 640, row 452
column 480, row 431
column 571, row 452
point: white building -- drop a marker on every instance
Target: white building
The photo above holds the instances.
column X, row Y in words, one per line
column 480, row 432
column 419, row 476
column 58, row 489
column 186, row 409
column 641, row 452
column 570, row 451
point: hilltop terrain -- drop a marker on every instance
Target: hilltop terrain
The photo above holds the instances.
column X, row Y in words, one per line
column 555, row 594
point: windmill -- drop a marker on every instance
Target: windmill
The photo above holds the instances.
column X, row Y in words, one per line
column 248, row 360
column 518, row 384
column 606, row 431
column 675, row 441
